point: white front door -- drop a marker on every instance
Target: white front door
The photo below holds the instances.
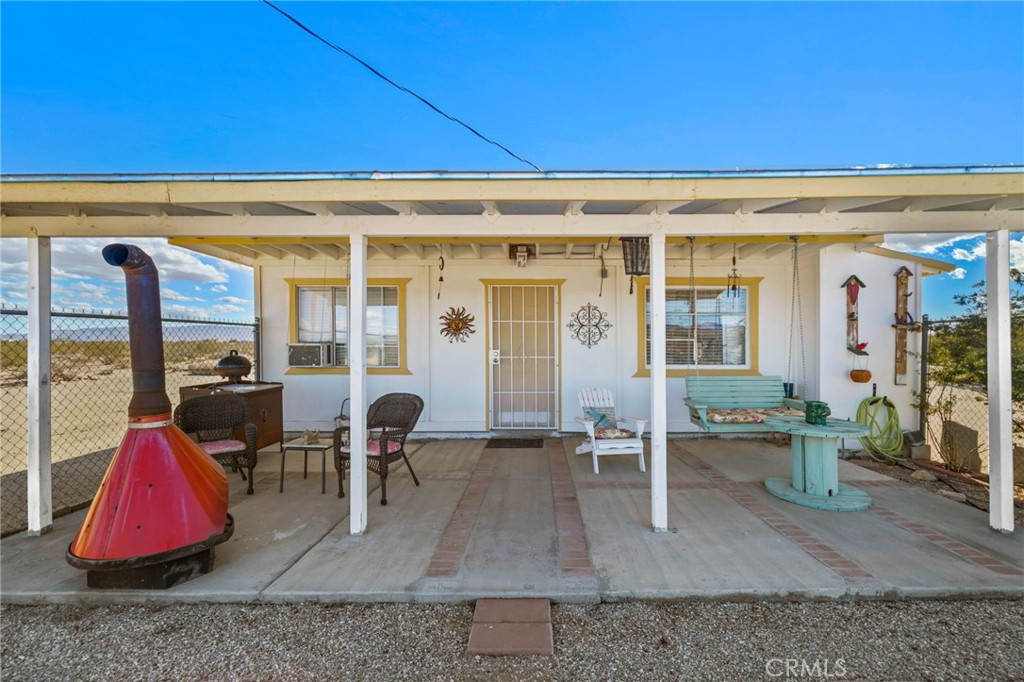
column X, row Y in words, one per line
column 523, row 356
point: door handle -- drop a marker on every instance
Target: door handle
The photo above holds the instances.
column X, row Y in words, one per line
column 495, row 356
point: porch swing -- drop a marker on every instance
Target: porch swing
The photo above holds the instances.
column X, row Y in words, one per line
column 740, row 403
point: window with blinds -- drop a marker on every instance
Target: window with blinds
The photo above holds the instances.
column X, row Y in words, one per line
column 720, row 320
column 322, row 314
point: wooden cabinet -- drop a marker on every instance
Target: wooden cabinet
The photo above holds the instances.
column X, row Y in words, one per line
column 264, row 399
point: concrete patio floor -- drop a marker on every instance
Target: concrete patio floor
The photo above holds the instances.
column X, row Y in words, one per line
column 537, row 522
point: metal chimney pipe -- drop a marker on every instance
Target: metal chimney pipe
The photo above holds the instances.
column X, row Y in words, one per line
column 149, row 397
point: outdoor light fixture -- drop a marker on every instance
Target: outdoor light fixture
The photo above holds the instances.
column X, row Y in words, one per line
column 636, row 256
column 521, row 254
column 733, row 281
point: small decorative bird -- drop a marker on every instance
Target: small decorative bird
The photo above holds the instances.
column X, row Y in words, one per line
column 862, row 345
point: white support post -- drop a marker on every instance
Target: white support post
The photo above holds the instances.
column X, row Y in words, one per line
column 357, row 382
column 1000, row 443
column 659, row 386
column 40, row 493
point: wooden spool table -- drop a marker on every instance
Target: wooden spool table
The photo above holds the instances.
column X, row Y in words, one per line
column 815, row 461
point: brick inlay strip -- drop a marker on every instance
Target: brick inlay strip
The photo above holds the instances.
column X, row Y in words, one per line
column 975, row 556
column 449, row 552
column 573, row 555
column 743, row 493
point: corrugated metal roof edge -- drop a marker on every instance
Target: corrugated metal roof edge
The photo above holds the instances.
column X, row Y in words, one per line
column 882, row 170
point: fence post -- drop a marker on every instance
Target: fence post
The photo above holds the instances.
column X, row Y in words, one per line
column 922, row 413
column 256, row 354
column 40, row 456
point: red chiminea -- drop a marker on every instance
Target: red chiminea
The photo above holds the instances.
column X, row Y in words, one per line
column 162, row 505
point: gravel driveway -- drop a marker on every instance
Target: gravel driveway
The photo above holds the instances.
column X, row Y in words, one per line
column 853, row 640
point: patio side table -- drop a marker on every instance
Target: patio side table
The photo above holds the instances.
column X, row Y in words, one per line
column 300, row 444
column 815, row 461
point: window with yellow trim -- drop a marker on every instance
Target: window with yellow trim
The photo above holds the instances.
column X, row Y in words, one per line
column 322, row 317
column 707, row 326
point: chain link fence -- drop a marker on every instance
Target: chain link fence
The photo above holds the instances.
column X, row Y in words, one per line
column 91, row 384
column 954, row 370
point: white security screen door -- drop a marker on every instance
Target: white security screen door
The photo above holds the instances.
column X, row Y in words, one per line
column 524, row 356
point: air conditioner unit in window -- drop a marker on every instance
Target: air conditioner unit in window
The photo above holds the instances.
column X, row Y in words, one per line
column 309, row 355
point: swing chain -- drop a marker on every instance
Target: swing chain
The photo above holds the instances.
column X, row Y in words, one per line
column 693, row 308
column 796, row 318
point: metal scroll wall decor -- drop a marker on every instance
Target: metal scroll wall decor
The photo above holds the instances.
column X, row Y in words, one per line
column 457, row 324
column 589, row 325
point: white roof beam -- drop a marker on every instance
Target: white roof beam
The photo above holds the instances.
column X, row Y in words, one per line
column 657, row 207
column 329, row 250
column 519, row 229
column 223, row 209
column 750, row 250
column 755, row 205
column 574, row 207
column 838, row 205
column 490, row 208
column 475, row 248
column 267, row 250
column 386, row 249
column 310, row 207
column 408, row 207
column 775, row 249
column 936, row 203
column 299, row 250
column 414, row 249
column 718, row 250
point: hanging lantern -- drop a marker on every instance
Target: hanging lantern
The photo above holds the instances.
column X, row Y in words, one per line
column 636, row 256
column 733, row 281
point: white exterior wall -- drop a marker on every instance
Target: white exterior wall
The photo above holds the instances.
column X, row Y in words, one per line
column 877, row 310
column 452, row 377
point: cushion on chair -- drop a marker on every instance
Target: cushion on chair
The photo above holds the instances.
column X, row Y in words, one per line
column 222, row 447
column 603, row 417
column 609, row 434
column 781, row 412
column 373, row 448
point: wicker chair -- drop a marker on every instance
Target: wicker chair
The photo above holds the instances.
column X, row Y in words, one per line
column 216, row 421
column 392, row 417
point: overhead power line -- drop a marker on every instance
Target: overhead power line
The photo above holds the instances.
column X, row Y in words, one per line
column 404, row 89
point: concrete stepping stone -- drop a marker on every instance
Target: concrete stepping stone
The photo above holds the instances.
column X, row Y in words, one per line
column 511, row 627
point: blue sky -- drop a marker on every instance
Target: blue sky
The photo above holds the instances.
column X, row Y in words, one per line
column 203, row 86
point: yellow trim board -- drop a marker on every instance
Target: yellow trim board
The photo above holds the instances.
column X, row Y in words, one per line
column 753, row 332
column 293, row 330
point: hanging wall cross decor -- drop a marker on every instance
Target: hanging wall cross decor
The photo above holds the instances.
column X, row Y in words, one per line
column 589, row 325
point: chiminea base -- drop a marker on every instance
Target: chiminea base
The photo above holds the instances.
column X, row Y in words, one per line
column 155, row 576
column 155, row 571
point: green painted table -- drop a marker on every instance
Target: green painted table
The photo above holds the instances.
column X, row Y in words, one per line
column 815, row 459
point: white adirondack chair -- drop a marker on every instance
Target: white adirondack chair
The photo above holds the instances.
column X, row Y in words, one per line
column 601, row 400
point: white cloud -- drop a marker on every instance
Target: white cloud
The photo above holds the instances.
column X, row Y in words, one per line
column 233, row 299
column 928, row 244
column 219, row 288
column 976, row 251
column 226, row 309
column 959, row 273
column 168, row 294
column 83, row 258
column 1017, row 253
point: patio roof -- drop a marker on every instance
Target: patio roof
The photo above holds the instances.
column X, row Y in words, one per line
column 249, row 217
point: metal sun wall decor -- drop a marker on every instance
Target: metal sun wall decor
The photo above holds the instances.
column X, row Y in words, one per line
column 457, row 324
column 589, row 325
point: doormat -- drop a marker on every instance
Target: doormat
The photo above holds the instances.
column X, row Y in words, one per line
column 515, row 443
